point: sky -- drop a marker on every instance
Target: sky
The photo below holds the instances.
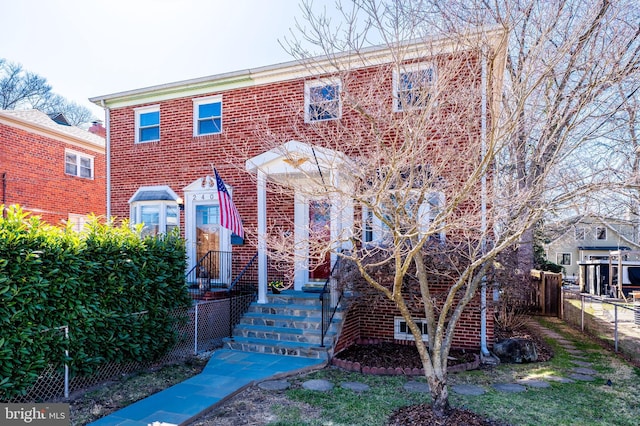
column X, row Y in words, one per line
column 88, row 48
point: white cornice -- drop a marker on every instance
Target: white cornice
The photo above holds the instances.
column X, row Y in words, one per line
column 376, row 55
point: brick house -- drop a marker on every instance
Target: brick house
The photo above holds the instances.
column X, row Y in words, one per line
column 52, row 170
column 163, row 140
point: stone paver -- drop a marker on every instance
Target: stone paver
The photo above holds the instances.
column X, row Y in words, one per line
column 319, row 385
column 355, row 386
column 471, row 390
column 532, row 383
column 509, row 387
column 414, row 386
column 584, row 370
column 581, row 363
column 559, row 379
column 274, row 385
column 582, row 377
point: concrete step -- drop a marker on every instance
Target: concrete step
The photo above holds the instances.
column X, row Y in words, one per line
column 269, row 346
column 283, row 334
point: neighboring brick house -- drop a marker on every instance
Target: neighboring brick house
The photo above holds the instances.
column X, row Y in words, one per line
column 52, row 170
column 163, row 141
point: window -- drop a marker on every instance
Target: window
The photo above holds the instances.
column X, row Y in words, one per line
column 601, row 233
column 563, row 259
column 77, row 221
column 157, row 208
column 401, row 330
column 77, row 164
column 207, row 116
column 373, row 229
column 148, row 124
column 579, row 234
column 322, row 101
column 412, row 86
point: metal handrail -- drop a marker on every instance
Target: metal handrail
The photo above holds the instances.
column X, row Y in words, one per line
column 327, row 314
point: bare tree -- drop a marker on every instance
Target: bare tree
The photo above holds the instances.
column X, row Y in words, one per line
column 453, row 168
column 23, row 89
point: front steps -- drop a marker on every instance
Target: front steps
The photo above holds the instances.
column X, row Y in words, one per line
column 289, row 324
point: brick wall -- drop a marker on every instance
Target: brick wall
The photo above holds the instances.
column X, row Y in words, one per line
column 36, row 180
column 255, row 119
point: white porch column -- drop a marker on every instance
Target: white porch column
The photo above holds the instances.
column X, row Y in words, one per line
column 301, row 240
column 262, row 237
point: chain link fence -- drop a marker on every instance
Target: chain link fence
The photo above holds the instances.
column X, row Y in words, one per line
column 199, row 329
column 611, row 320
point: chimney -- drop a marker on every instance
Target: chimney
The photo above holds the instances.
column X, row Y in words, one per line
column 98, row 129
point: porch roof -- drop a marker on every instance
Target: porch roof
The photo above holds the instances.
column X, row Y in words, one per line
column 297, row 158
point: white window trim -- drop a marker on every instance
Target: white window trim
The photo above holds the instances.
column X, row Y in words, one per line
column 583, row 233
column 79, row 155
column 559, row 257
column 398, row 334
column 604, row 228
column 207, row 100
column 380, row 232
column 135, row 211
column 142, row 110
column 319, row 83
column 409, row 68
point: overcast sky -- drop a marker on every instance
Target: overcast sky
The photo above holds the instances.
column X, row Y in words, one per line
column 87, row 48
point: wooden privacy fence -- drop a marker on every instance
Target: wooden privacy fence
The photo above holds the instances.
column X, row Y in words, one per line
column 548, row 292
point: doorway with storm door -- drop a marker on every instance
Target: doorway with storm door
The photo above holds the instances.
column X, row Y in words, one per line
column 319, row 242
column 208, row 242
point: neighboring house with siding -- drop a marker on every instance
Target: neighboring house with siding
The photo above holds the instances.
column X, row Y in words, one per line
column 52, row 170
column 164, row 139
column 584, row 238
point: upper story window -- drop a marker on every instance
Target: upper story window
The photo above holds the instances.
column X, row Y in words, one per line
column 157, row 208
column 322, row 101
column 601, row 233
column 580, row 234
column 413, row 86
column 148, row 124
column 78, row 164
column 207, row 116
column 563, row 259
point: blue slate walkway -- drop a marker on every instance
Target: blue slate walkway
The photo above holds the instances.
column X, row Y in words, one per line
column 226, row 373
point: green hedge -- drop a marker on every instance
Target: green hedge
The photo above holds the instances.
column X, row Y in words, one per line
column 97, row 282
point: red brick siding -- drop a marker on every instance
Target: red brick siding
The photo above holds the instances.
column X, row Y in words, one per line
column 36, row 178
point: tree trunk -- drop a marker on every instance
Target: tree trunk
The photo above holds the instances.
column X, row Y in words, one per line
column 440, row 395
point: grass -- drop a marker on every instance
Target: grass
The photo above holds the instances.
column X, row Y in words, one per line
column 578, row 403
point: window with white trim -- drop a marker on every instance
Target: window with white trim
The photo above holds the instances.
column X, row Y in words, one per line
column 322, row 100
column 148, row 124
column 78, row 164
column 413, row 86
column 601, row 233
column 401, row 330
column 563, row 259
column 207, row 116
column 374, row 229
column 77, row 222
column 580, row 234
column 157, row 208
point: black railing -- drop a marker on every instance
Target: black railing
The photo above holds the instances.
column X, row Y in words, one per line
column 328, row 311
column 242, row 291
column 223, row 276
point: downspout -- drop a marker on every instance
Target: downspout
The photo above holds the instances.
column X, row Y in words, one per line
column 4, row 194
column 107, row 117
column 483, row 221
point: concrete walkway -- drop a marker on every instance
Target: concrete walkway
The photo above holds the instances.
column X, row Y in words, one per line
column 226, row 373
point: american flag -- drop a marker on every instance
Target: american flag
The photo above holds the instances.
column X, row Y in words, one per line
column 229, row 216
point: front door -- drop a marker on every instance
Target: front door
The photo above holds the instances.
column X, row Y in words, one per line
column 208, row 239
column 319, row 241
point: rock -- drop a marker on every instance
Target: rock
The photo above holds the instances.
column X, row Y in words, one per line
column 516, row 350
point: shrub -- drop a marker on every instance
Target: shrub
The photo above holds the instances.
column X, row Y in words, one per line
column 97, row 282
